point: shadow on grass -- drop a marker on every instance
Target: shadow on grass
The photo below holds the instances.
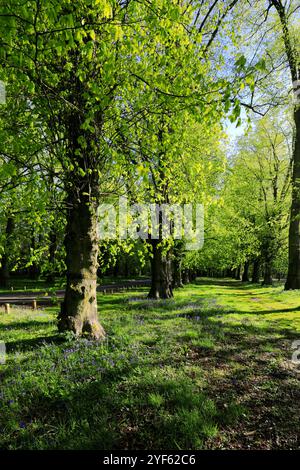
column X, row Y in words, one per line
column 228, row 377
column 252, row 367
column 30, row 324
column 28, row 344
column 245, row 394
column 120, row 410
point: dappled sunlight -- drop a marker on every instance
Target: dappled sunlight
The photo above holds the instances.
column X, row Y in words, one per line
column 179, row 372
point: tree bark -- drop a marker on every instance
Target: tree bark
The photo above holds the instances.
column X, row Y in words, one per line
column 177, row 263
column 293, row 276
column 256, row 271
column 79, row 309
column 268, row 281
column 79, row 312
column 161, row 274
column 177, row 273
column 292, row 53
column 245, row 276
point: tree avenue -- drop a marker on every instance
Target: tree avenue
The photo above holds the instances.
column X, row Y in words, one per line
column 106, row 97
column 149, row 227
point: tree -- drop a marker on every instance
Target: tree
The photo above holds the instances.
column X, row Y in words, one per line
column 249, row 225
column 74, row 82
column 293, row 56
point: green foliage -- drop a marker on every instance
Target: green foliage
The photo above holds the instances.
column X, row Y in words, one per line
column 251, row 217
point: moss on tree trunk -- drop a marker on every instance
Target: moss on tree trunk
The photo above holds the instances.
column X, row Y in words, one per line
column 79, row 311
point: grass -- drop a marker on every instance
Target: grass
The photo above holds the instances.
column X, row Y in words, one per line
column 210, row 369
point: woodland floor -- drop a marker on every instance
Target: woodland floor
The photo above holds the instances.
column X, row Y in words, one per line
column 210, row 369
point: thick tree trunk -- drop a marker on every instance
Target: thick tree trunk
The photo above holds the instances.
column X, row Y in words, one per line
column 4, row 269
column 293, row 276
column 245, row 276
column 161, row 273
column 79, row 309
column 256, row 271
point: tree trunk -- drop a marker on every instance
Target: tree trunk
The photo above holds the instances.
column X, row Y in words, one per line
column 256, row 271
column 268, row 281
column 245, row 277
column 292, row 53
column 177, row 273
column 229, row 272
column 161, row 275
column 293, row 276
column 79, row 309
column 238, row 274
column 177, row 263
column 4, row 270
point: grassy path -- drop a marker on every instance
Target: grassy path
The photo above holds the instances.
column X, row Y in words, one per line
column 210, row 369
